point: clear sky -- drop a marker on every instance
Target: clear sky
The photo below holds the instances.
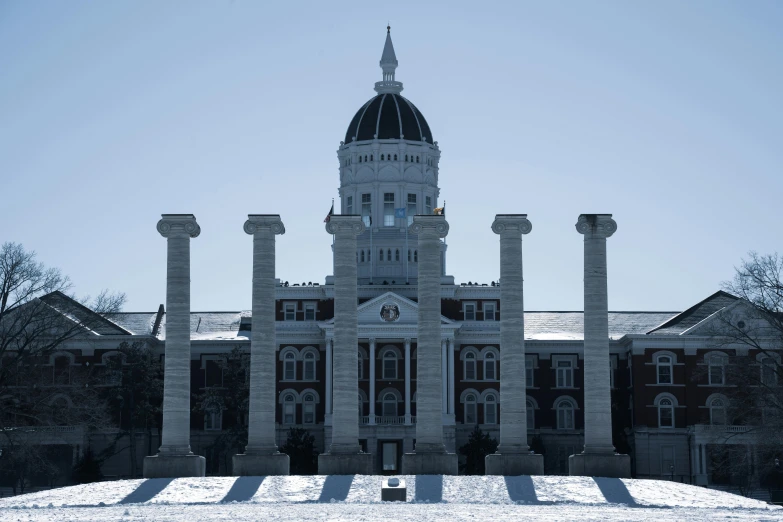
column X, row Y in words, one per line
column 667, row 114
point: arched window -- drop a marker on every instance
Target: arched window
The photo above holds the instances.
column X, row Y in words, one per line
column 397, row 254
column 565, row 414
column 415, row 256
column 417, row 159
column 360, row 159
column 289, row 366
column 389, row 365
column 61, row 371
column 365, row 157
column 717, row 369
column 470, row 409
column 395, row 157
column 362, row 256
column 409, row 256
column 470, row 366
column 289, row 409
column 361, row 366
column 382, row 157
column 490, row 410
column 380, row 255
column 717, row 412
column 665, row 413
column 371, row 158
column 388, row 255
column 664, row 369
column 530, row 410
column 406, row 157
column 490, row 367
column 308, row 409
column 389, row 405
column 309, row 366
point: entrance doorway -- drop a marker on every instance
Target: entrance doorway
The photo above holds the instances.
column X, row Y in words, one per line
column 390, row 456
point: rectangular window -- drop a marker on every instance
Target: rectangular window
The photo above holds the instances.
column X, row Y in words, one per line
column 428, row 205
column 565, row 374
column 768, row 374
column 411, row 208
column 290, row 311
column 308, row 413
column 213, row 373
column 367, row 209
column 289, row 410
column 309, row 313
column 349, row 205
column 664, row 374
column 529, row 372
column 470, row 413
column 489, row 311
column 213, row 421
column 716, row 374
column 388, row 209
column 469, row 310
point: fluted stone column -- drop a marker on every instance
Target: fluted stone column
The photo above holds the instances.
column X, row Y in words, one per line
column 407, row 345
column 261, row 455
column 598, row 457
column 174, row 458
column 372, row 381
column 513, row 455
column 344, row 456
column 429, row 456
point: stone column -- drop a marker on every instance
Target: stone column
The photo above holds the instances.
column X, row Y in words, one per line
column 174, row 458
column 328, row 379
column 372, row 381
column 444, row 364
column 598, row 457
column 451, row 379
column 429, row 457
column 513, row 455
column 407, row 381
column 261, row 456
column 344, row 456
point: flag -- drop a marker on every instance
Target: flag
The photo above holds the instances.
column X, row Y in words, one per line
column 440, row 211
column 330, row 214
column 399, row 213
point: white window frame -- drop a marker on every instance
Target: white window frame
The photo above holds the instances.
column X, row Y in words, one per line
column 388, row 209
column 310, row 306
column 308, row 360
column 662, row 403
column 716, row 361
column 490, row 361
column 308, row 408
column 490, row 309
column 289, row 405
column 659, row 365
column 530, row 370
column 289, row 358
column 386, row 402
column 367, row 209
column 564, row 373
column 490, row 409
column 287, row 305
column 389, row 356
column 473, row 404
column 566, row 416
column 465, row 312
column 213, row 420
column 470, row 357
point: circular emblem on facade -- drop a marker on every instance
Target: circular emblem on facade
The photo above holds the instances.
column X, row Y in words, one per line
column 390, row 312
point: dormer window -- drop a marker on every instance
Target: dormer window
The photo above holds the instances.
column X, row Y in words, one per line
column 489, row 311
column 469, row 311
column 289, row 310
column 309, row 312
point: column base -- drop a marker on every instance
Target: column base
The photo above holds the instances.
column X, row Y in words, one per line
column 244, row 465
column 600, row 465
column 173, row 466
column 514, row 464
column 429, row 464
column 345, row 464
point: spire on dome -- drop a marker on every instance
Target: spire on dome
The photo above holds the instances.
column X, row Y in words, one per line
column 388, row 66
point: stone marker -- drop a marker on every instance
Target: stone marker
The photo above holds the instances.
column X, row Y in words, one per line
column 394, row 490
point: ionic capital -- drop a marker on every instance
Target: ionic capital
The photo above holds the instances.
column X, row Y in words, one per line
column 345, row 225
column 514, row 224
column 178, row 225
column 596, row 225
column 425, row 225
column 262, row 222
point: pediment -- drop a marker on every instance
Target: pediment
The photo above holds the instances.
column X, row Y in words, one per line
column 369, row 312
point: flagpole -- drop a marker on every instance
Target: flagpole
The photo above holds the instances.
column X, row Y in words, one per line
column 371, row 252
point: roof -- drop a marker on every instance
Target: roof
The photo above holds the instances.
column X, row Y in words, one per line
column 695, row 314
column 389, row 116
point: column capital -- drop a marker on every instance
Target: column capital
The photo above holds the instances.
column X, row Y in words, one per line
column 259, row 222
column 371, row 340
column 407, row 341
column 345, row 225
column 513, row 224
column 429, row 225
column 178, row 225
column 596, row 225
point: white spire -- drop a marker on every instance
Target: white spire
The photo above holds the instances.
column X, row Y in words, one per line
column 388, row 66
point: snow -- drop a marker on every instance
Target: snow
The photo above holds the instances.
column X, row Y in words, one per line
column 430, row 497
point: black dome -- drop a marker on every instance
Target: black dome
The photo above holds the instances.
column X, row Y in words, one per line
column 390, row 116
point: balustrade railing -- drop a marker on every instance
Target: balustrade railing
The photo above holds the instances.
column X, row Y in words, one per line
column 383, row 420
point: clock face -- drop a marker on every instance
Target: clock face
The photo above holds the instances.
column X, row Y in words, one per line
column 390, row 312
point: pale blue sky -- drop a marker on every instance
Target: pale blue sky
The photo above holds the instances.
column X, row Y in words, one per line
column 667, row 114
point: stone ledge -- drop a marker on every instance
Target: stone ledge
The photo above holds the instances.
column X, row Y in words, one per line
column 345, row 464
column 514, row 464
column 159, row 466
column 260, row 465
column 429, row 464
column 599, row 465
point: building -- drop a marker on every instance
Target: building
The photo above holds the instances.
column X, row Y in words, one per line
column 666, row 412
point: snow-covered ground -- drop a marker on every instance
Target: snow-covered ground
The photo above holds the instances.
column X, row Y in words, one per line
column 430, row 497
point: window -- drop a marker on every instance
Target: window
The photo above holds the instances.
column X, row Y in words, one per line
column 470, row 409
column 382, row 157
column 308, row 409
column 361, row 366
column 769, row 376
column 213, row 420
column 289, row 365
column 389, row 405
column 349, row 205
column 415, row 256
column 490, row 410
column 411, row 208
column 565, row 374
column 309, row 366
column 380, row 255
column 717, row 412
column 389, row 365
column 397, row 254
column 664, row 364
column 717, row 369
column 428, row 205
column 490, row 367
column 489, row 311
column 388, row 210
column 362, row 255
column 395, row 157
column 611, row 373
column 470, row 366
column 309, row 312
column 367, row 209
column 289, row 410
column 361, row 406
column 409, row 256
column 61, row 371
column 469, row 310
column 530, row 410
column 530, row 371
column 213, row 371
column 665, row 413
column 290, row 311
column 565, row 414
column 388, row 255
